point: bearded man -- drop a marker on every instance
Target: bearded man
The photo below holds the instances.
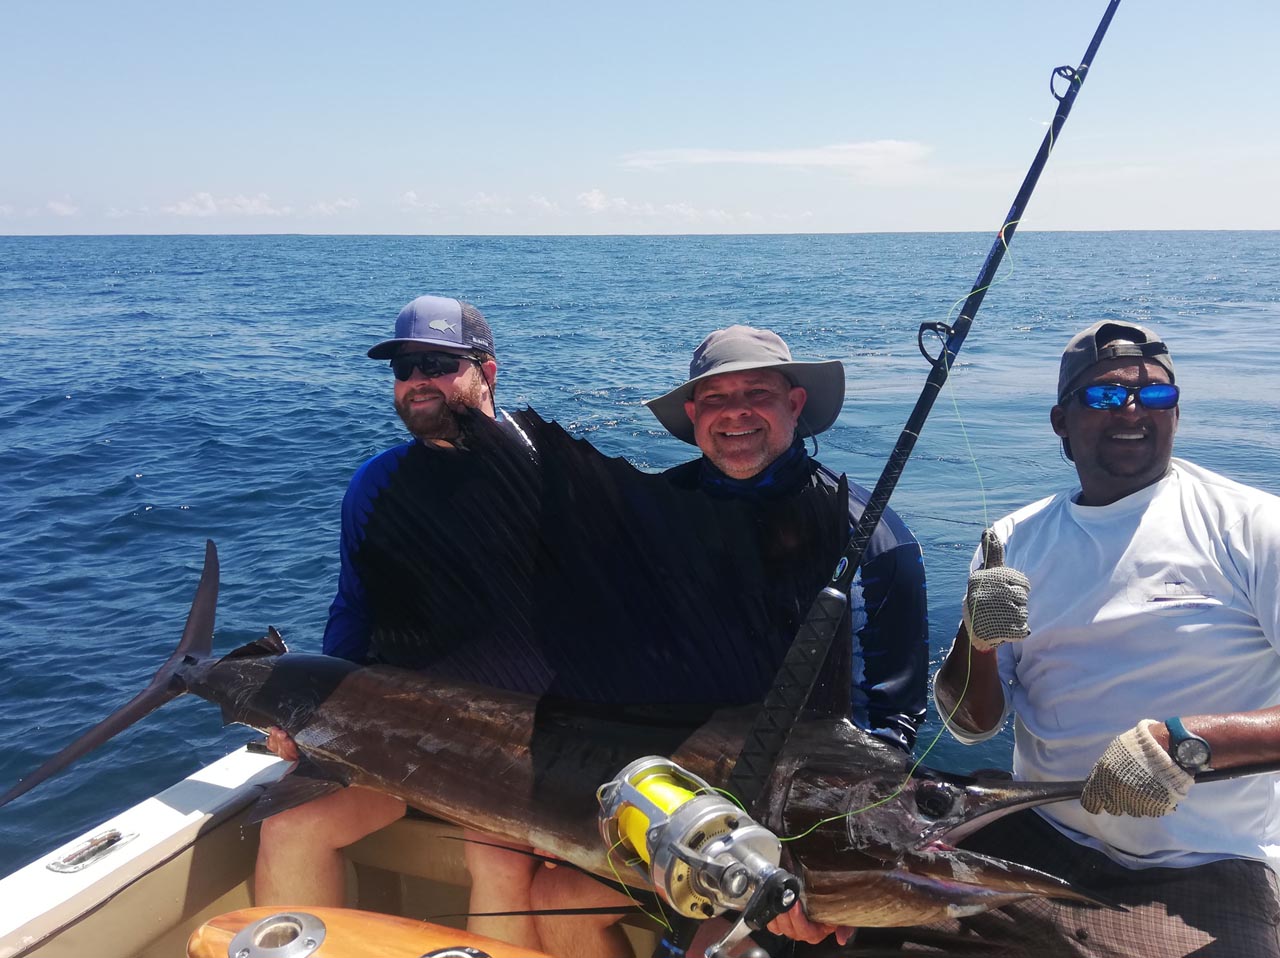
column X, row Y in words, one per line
column 442, row 356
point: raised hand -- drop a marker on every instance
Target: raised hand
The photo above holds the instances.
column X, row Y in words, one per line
column 995, row 602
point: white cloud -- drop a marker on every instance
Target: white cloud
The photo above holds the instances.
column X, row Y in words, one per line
column 544, row 205
column 6, row 210
column 488, row 203
column 259, row 205
column 201, row 204
column 205, row 204
column 325, row 208
column 874, row 157
column 691, row 214
column 62, row 207
column 598, row 202
column 410, row 200
column 117, row 213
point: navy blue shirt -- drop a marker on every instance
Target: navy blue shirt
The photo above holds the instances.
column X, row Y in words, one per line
column 347, row 632
column 884, row 649
column 877, row 671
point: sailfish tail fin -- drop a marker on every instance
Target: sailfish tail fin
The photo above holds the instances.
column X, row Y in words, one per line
column 165, row 685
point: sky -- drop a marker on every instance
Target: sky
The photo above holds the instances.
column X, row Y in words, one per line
column 549, row 117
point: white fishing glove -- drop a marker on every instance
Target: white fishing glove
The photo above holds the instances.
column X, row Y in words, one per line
column 995, row 603
column 1135, row 776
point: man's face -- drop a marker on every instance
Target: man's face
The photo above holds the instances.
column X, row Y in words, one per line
column 1118, row 451
column 744, row 421
column 428, row 404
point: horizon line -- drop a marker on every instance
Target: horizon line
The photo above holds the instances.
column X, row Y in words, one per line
column 1024, row 229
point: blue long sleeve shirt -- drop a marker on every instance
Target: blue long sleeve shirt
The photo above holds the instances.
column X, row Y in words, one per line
column 883, row 646
column 876, row 670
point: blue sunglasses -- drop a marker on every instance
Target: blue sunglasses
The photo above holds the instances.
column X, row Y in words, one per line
column 1116, row 396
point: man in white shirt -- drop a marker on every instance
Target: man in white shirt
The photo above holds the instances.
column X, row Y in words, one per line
column 1148, row 651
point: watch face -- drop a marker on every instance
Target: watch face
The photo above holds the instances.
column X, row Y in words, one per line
column 1191, row 753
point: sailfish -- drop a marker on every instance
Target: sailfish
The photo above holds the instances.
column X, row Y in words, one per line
column 603, row 560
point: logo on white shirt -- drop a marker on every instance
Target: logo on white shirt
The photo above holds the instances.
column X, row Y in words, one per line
column 1167, row 592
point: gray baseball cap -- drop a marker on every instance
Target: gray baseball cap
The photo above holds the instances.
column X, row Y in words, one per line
column 1109, row 339
column 741, row 348
column 437, row 322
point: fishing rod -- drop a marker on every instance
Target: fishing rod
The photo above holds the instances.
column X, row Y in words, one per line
column 808, row 651
column 796, row 676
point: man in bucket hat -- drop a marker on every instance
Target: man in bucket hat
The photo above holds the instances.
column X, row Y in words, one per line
column 1147, row 651
column 749, row 406
column 808, row 399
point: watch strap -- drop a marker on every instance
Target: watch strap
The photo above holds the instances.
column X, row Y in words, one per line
column 1177, row 731
column 1177, row 734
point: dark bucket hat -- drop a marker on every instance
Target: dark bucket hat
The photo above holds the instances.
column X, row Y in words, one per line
column 437, row 322
column 1109, row 339
column 741, row 348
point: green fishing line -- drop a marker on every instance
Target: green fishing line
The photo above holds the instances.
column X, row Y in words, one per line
column 1001, row 277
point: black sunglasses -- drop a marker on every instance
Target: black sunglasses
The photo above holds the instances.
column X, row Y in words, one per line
column 429, row 364
column 1116, row 396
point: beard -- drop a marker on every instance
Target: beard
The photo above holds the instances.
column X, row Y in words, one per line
column 440, row 420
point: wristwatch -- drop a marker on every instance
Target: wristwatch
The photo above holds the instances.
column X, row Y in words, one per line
column 1189, row 751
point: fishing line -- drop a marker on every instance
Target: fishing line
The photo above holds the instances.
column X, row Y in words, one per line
column 982, row 496
column 952, row 390
column 730, row 796
column 799, row 669
column 539, row 912
column 798, row 672
column 952, row 394
column 660, row 918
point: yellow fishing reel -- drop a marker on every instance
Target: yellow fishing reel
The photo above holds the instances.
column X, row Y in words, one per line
column 702, row 854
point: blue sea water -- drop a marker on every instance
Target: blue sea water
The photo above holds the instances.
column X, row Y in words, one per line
column 158, row 391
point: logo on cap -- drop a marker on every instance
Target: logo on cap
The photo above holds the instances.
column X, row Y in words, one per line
column 443, row 325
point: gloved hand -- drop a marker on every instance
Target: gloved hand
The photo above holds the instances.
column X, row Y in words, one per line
column 995, row 603
column 1135, row 776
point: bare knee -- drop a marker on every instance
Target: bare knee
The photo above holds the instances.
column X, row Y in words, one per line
column 578, row 936
column 296, row 824
column 498, row 864
column 334, row 821
column 566, row 887
column 312, row 823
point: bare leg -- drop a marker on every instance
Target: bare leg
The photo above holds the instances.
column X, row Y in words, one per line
column 578, row 936
column 299, row 857
column 500, row 881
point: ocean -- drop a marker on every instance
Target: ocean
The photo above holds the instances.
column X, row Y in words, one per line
column 156, row 391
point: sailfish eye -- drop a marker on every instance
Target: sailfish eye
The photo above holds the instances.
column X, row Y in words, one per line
column 935, row 799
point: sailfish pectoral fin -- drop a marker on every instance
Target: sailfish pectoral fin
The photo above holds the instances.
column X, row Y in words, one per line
column 305, row 783
column 165, row 685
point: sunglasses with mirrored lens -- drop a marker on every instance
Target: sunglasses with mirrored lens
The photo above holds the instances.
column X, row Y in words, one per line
column 429, row 364
column 1116, row 396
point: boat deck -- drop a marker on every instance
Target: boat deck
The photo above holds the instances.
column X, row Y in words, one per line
column 140, row 883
